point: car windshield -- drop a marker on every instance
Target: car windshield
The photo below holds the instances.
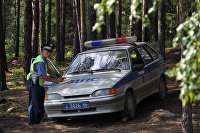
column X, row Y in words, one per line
column 105, row 60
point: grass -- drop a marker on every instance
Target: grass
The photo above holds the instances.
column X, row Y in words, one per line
column 15, row 78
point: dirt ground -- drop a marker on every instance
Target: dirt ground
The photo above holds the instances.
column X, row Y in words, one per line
column 149, row 117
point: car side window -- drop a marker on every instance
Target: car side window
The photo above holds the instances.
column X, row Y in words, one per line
column 145, row 55
column 152, row 52
column 135, row 57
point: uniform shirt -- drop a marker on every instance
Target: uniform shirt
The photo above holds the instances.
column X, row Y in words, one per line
column 40, row 67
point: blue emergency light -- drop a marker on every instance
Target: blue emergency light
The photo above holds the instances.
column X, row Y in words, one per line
column 96, row 43
column 108, row 42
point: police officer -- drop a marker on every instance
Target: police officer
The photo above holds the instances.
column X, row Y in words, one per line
column 35, row 79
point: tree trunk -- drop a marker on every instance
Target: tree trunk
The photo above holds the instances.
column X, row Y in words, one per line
column 90, row 21
column 27, row 36
column 138, row 30
column 161, row 28
column 18, row 27
column 58, row 55
column 112, row 25
column 35, row 39
column 62, row 28
column 187, row 126
column 179, row 11
column 83, row 29
column 132, row 27
column 3, row 85
column 49, row 23
column 76, row 46
column 42, row 23
column 145, row 35
column 103, row 33
column 138, row 27
column 156, row 25
column 78, row 21
column 132, row 24
column 110, row 21
column 107, row 19
column 143, row 15
column 4, row 35
column 119, row 26
column 14, row 40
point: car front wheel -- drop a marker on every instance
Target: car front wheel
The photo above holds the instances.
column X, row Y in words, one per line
column 130, row 106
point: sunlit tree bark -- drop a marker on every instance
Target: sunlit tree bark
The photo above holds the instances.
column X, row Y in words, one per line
column 83, row 29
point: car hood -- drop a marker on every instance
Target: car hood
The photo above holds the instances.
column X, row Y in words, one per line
column 83, row 84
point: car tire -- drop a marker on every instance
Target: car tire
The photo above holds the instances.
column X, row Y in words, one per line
column 129, row 106
column 162, row 88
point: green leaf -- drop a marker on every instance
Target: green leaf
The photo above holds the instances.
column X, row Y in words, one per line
column 185, row 100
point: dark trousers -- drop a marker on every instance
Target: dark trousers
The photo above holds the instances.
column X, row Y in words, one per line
column 36, row 102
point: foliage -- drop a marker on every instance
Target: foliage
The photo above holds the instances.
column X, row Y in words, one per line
column 107, row 6
column 102, row 8
column 188, row 69
column 11, row 19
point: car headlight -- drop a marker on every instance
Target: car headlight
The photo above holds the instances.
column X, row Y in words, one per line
column 104, row 92
column 52, row 97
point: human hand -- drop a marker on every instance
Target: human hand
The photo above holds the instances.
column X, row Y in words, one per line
column 60, row 79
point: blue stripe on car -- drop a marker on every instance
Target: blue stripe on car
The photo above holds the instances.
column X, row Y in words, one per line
column 135, row 75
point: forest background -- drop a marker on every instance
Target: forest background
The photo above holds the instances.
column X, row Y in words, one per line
column 26, row 25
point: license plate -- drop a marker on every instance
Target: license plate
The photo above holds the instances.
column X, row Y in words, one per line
column 73, row 106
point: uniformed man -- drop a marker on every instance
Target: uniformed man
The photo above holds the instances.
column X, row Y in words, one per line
column 35, row 79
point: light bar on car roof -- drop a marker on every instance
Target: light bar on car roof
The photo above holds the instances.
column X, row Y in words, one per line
column 107, row 42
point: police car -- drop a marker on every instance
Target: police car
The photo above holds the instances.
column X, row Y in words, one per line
column 114, row 76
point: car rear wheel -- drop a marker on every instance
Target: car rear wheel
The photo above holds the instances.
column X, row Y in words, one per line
column 162, row 88
column 130, row 106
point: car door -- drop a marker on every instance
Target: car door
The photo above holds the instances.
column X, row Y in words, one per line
column 156, row 70
column 136, row 60
column 149, row 81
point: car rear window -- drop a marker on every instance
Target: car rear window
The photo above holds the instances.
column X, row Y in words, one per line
column 145, row 55
column 152, row 52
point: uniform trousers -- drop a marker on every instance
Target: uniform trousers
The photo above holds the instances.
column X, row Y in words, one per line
column 36, row 102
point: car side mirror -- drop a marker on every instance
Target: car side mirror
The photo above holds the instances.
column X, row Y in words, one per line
column 138, row 67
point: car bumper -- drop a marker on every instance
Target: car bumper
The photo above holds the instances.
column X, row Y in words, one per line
column 97, row 106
